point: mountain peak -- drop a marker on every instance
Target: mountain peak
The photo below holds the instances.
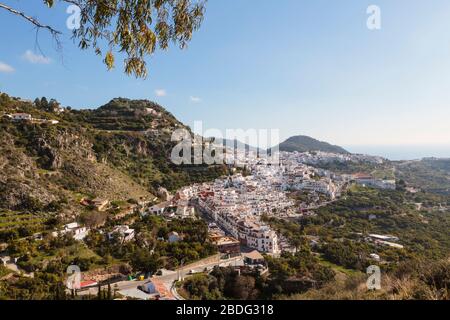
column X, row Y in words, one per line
column 303, row 143
column 125, row 104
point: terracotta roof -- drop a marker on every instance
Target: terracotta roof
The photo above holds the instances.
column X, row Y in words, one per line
column 254, row 255
column 87, row 283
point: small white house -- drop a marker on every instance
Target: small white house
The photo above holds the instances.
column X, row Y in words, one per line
column 75, row 230
column 70, row 226
column 21, row 117
column 158, row 209
column 125, row 233
column 80, row 233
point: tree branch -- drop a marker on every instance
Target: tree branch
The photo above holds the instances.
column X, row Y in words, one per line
column 54, row 32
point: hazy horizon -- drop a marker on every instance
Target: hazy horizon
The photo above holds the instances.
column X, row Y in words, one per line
column 402, row 152
column 390, row 151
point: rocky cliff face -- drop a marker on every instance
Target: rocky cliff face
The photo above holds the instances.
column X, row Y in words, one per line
column 54, row 148
column 55, row 167
column 20, row 184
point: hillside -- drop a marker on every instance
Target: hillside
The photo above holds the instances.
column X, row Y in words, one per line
column 118, row 152
column 305, row 143
column 430, row 174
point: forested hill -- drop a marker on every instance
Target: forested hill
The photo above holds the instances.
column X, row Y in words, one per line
column 305, row 143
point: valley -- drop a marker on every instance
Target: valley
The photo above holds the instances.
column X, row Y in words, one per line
column 97, row 188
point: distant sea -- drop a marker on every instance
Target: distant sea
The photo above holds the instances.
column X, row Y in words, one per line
column 402, row 152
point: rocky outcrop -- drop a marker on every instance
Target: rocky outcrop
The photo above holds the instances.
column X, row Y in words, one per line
column 42, row 166
column 50, row 157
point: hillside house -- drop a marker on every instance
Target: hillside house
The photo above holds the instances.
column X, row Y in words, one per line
column 21, row 117
column 253, row 258
column 73, row 229
column 124, row 233
column 159, row 208
column 367, row 180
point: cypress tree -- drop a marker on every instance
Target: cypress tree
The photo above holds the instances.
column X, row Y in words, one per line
column 109, row 293
column 99, row 294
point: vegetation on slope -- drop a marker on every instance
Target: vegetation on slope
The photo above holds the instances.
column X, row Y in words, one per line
column 106, row 153
column 304, row 143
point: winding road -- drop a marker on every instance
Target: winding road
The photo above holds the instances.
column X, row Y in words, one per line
column 168, row 280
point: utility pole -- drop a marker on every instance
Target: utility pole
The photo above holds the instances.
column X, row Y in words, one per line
column 180, row 270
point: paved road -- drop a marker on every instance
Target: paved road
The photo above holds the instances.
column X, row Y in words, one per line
column 169, row 279
column 175, row 294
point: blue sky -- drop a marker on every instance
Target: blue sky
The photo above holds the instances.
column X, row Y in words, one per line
column 302, row 66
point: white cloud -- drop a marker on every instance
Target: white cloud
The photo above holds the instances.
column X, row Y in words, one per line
column 5, row 68
column 32, row 57
column 160, row 92
column 195, row 99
